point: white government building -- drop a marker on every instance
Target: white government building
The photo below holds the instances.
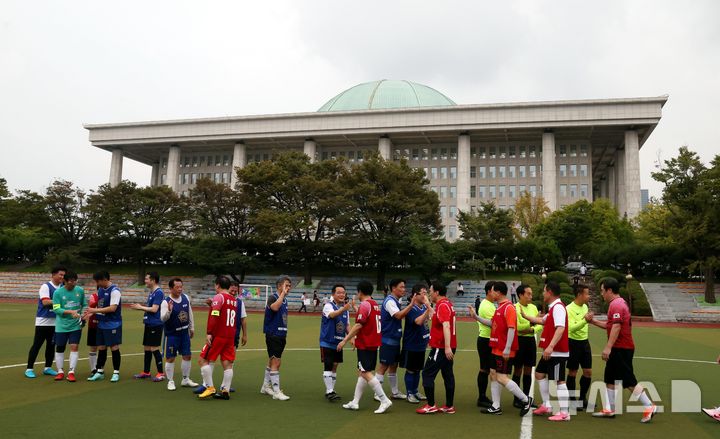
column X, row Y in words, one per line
column 562, row 150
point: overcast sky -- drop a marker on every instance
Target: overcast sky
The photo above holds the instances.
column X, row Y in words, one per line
column 63, row 64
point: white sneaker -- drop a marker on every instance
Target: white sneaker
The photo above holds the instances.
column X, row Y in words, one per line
column 384, row 406
column 171, row 385
column 279, row 395
column 267, row 389
column 351, row 406
column 187, row 382
column 399, row 395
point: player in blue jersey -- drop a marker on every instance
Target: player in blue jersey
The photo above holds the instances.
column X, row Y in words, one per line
column 333, row 329
column 109, row 334
column 391, row 317
column 275, row 330
column 241, row 320
column 176, row 312
column 152, row 335
column 415, row 340
column 45, row 324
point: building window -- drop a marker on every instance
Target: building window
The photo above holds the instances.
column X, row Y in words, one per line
column 531, row 152
column 427, row 172
column 521, row 171
column 492, row 171
column 443, row 153
column 443, row 211
column 481, row 192
column 511, row 191
column 453, row 153
column 453, row 172
column 453, row 212
column 216, row 178
column 492, row 152
column 501, row 191
column 583, row 170
column 533, row 190
column 425, row 153
column 522, row 151
column 443, row 172
column 443, row 191
column 415, row 154
column 563, row 151
column 533, row 171
column 193, row 178
column 434, row 153
column 501, row 171
column 573, row 150
column 433, row 173
column 481, row 152
column 342, row 153
column 473, row 152
column 511, row 151
column 472, row 192
column 453, row 191
column 583, row 150
column 583, row 191
column 324, row 155
column 194, row 161
column 521, row 190
column 511, row 171
column 563, row 190
column 473, row 172
column 573, row 170
column 225, row 177
column 452, row 231
column 396, row 154
column 491, row 192
column 563, row 170
column 163, row 179
column 573, row 190
column 482, row 171
column 502, row 152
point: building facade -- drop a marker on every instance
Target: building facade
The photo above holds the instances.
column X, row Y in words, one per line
column 562, row 150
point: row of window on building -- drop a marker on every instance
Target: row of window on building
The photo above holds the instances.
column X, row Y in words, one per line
column 500, row 191
column 192, row 178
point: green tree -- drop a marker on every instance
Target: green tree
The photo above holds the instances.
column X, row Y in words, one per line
column 430, row 256
column 66, row 207
column 529, row 211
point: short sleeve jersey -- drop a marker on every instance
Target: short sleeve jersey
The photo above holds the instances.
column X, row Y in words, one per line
column 444, row 312
column 368, row 315
column 618, row 312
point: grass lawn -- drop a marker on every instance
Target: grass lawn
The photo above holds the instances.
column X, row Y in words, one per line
column 130, row 408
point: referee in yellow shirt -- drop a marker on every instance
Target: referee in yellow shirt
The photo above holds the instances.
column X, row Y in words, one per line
column 580, row 353
column 526, row 357
column 484, row 314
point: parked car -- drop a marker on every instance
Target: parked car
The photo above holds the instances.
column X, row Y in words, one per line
column 574, row 267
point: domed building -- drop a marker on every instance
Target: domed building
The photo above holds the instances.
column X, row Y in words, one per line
column 563, row 151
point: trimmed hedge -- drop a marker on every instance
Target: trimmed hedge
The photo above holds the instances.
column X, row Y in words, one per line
column 559, row 277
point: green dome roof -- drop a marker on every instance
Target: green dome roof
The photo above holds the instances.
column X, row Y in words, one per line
column 386, row 94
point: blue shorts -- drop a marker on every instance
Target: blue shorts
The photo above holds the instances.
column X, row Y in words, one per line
column 177, row 344
column 109, row 337
column 64, row 338
column 389, row 354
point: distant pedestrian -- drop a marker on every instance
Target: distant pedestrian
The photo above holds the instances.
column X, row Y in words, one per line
column 303, row 303
column 316, row 301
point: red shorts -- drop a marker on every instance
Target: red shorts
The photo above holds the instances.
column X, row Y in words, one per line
column 221, row 347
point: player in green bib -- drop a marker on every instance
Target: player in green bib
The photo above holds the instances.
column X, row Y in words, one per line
column 68, row 304
column 526, row 356
column 580, row 352
column 484, row 314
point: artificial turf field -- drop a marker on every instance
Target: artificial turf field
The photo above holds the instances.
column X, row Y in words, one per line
column 134, row 408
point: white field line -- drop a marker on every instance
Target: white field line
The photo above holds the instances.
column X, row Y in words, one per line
column 527, row 420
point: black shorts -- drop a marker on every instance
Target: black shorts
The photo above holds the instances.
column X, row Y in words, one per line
column 152, row 336
column 580, row 355
column 502, row 366
column 526, row 354
column 554, row 368
column 485, row 353
column 619, row 367
column 367, row 360
column 389, row 354
column 92, row 336
column 330, row 356
column 275, row 345
column 412, row 360
column 62, row 339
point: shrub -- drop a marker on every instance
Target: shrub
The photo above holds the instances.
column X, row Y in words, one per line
column 559, row 277
column 567, row 298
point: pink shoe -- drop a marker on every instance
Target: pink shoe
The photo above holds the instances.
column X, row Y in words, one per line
column 542, row 411
column 561, row 416
column 713, row 413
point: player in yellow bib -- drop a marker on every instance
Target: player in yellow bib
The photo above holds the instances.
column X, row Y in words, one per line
column 580, row 353
column 526, row 357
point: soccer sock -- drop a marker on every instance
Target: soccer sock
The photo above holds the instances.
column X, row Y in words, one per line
column 571, row 386
column 482, row 384
column 516, row 380
column 334, row 379
column 610, row 403
column 563, row 396
column 116, row 360
column 515, row 390
column 392, row 377
column 359, row 387
column 267, row 376
column 59, row 360
column 206, row 372
column 146, row 361
column 380, row 377
column 158, row 361
column 185, row 368
column 527, row 383
column 227, row 379
column 92, row 360
column 328, row 380
column 275, row 379
column 102, row 358
column 74, row 360
column 410, row 382
column 170, row 370
column 642, row 396
column 544, row 386
column 584, row 387
column 416, row 382
column 495, row 389
column 377, row 388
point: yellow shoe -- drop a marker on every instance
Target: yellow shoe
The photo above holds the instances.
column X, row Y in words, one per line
column 208, row 393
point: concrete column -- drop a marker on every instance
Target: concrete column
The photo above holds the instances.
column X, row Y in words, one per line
column 155, row 174
column 611, row 186
column 173, row 168
column 632, row 173
column 310, row 149
column 620, row 182
column 116, row 164
column 385, row 147
column 549, row 172
column 239, row 160
column 463, row 173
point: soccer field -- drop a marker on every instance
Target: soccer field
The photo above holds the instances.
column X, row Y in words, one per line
column 134, row 408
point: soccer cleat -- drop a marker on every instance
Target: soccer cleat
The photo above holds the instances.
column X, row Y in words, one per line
column 60, row 376
column 384, row 406
column 448, row 410
column 158, row 377
column 71, row 377
column 399, row 395
column 200, row 389
column 115, row 378
column 224, row 394
column 648, row 414
column 420, row 396
column 98, row 376
column 141, row 375
column 517, row 403
column 427, row 410
column 352, row 405
column 267, row 389
column 208, row 393
column 492, row 411
column 412, row 399
column 332, row 396
column 604, row 414
column 713, row 413
column 280, row 396
column 543, row 410
column 49, row 371
column 483, row 401
column 561, row 416
column 171, row 385
column 526, row 406
column 29, row 373
column 187, row 382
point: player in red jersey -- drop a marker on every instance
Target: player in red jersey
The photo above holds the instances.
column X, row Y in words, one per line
column 504, row 344
column 368, row 333
column 443, row 343
column 220, row 339
column 92, row 323
column 619, row 351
